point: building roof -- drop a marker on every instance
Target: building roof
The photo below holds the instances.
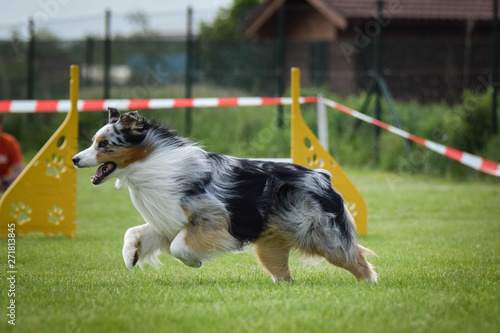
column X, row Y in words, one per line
column 339, row 12
column 417, row 9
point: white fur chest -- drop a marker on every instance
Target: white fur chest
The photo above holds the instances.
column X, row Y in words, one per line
column 155, row 188
column 160, row 209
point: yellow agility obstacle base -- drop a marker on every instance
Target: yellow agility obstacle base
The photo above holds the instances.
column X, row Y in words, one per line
column 43, row 197
column 307, row 151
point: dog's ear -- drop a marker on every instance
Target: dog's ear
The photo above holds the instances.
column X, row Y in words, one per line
column 131, row 120
column 132, row 115
column 114, row 115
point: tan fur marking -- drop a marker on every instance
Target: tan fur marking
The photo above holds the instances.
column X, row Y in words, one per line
column 123, row 157
column 98, row 139
column 187, row 213
column 207, row 236
column 273, row 250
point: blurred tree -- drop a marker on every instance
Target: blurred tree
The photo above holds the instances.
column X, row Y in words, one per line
column 45, row 34
column 140, row 19
column 228, row 21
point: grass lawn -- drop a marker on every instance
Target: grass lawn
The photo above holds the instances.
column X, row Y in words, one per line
column 439, row 271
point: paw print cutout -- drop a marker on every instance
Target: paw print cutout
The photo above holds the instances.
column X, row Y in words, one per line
column 352, row 208
column 314, row 161
column 21, row 212
column 55, row 166
column 55, row 215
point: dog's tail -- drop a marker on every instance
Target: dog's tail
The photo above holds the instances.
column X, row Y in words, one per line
column 348, row 235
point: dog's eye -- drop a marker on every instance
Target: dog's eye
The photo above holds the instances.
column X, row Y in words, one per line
column 102, row 144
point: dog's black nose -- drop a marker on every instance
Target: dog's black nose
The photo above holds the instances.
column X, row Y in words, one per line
column 75, row 160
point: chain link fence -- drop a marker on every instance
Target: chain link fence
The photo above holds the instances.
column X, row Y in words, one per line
column 430, row 69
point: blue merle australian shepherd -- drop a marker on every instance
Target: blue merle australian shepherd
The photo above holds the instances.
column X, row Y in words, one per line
column 198, row 204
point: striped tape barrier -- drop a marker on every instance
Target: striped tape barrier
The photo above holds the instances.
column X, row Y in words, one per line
column 48, row 106
column 473, row 161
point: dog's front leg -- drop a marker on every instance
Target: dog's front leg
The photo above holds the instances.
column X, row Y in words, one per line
column 131, row 245
column 142, row 244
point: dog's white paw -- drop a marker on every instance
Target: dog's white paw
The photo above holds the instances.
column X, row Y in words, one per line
column 130, row 255
column 131, row 249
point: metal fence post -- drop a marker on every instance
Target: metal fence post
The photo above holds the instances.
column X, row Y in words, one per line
column 107, row 56
column 89, row 60
column 378, row 75
column 31, row 62
column 322, row 122
column 280, row 65
column 495, row 83
column 189, row 62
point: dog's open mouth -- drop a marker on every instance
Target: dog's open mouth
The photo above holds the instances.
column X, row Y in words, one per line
column 102, row 172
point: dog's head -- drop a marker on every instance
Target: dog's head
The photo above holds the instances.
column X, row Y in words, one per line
column 115, row 146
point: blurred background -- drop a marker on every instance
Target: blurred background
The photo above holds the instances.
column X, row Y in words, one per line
column 437, row 59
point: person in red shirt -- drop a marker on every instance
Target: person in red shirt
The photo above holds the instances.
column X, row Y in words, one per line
column 11, row 159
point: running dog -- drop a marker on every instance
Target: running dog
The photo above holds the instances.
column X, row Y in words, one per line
column 198, row 204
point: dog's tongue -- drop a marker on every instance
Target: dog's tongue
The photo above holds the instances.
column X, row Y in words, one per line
column 96, row 178
column 100, row 171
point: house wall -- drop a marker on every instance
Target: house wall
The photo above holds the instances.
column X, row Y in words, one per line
column 425, row 59
column 309, row 25
column 313, row 47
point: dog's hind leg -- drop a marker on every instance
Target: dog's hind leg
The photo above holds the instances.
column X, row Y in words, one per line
column 361, row 268
column 358, row 266
column 273, row 250
column 142, row 244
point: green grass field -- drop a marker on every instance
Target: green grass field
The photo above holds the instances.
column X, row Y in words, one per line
column 438, row 262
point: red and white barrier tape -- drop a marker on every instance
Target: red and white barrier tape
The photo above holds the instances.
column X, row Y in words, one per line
column 470, row 160
column 49, row 106
column 42, row 106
